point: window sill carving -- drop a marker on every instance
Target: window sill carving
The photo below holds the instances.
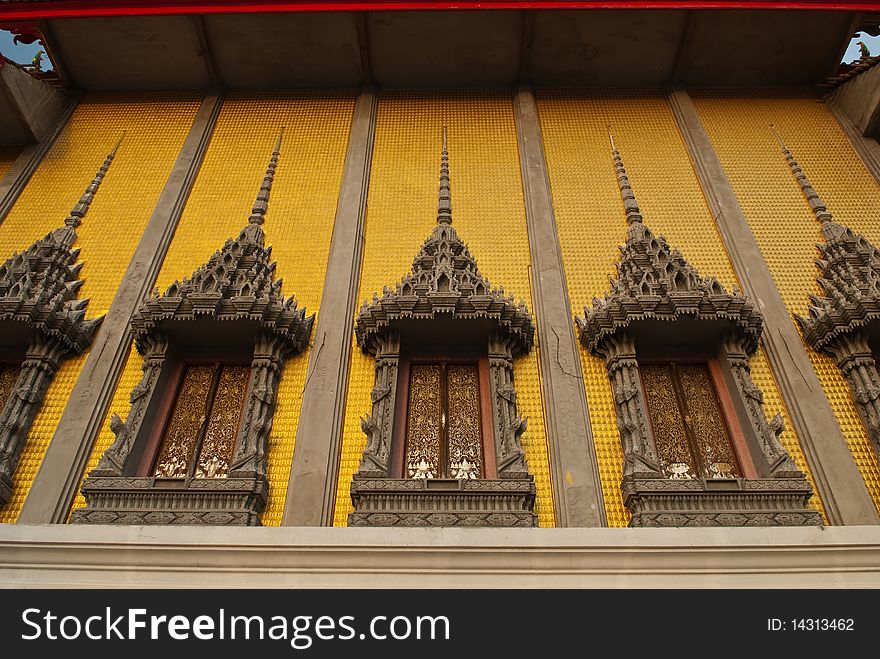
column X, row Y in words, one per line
column 442, row 502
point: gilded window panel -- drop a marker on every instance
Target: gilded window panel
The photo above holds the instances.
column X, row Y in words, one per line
column 223, row 421
column 784, row 226
column 8, row 376
column 465, row 452
column 187, row 420
column 670, row 437
column 423, row 432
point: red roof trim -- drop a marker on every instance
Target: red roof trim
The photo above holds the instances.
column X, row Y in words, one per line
column 43, row 9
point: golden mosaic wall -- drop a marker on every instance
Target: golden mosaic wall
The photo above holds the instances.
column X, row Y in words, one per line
column 298, row 226
column 8, row 154
column 155, row 126
column 489, row 214
column 786, row 229
column 591, row 224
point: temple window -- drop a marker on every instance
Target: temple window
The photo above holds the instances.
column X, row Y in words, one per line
column 698, row 449
column 443, row 437
column 844, row 322
column 194, row 446
column 42, row 322
column 447, row 427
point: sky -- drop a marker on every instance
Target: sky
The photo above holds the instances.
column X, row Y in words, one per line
column 21, row 53
column 24, row 54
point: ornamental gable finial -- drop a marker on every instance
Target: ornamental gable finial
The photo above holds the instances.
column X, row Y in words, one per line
column 630, row 205
column 261, row 205
column 444, row 202
column 82, row 206
column 817, row 205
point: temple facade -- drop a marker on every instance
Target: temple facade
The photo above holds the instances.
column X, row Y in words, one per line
column 408, row 289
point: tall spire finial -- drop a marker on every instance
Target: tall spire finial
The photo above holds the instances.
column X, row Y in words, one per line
column 630, row 205
column 82, row 206
column 261, row 205
column 820, row 210
column 444, row 204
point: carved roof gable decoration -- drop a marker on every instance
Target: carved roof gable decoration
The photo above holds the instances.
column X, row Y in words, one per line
column 38, row 286
column 655, row 282
column 850, row 273
column 444, row 281
column 237, row 283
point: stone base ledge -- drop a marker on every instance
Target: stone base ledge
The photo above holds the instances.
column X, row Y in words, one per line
column 53, row 556
column 442, row 502
column 720, row 502
column 147, row 500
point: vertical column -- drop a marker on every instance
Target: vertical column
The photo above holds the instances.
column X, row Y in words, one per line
column 56, row 482
column 838, row 480
column 867, row 148
column 576, row 488
column 27, row 162
column 312, row 488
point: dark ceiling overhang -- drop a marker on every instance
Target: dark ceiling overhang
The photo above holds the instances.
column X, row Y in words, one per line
column 172, row 45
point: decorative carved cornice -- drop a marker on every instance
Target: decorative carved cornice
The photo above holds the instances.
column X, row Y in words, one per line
column 655, row 282
column 444, row 282
column 237, row 283
column 38, row 287
column 850, row 274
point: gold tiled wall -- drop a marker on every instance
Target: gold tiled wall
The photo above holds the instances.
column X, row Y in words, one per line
column 784, row 225
column 298, row 226
column 488, row 212
column 8, row 154
column 155, row 126
column 591, row 225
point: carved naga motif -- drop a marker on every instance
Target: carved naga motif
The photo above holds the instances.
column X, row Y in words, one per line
column 38, row 289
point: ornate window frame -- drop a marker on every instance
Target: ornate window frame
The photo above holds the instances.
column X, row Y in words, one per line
column 844, row 322
column 235, row 301
column 444, row 289
column 42, row 322
column 658, row 303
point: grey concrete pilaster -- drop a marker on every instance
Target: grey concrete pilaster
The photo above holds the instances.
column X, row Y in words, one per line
column 56, row 483
column 836, row 475
column 867, row 148
column 12, row 184
column 311, row 489
column 577, row 490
